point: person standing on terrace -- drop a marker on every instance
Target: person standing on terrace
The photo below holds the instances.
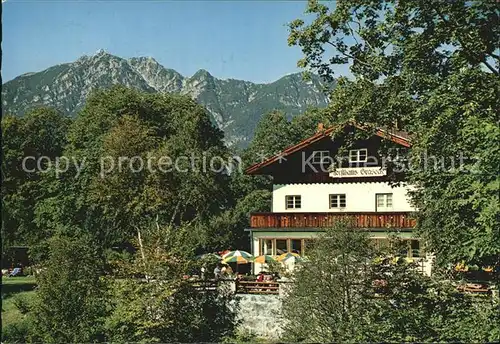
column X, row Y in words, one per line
column 217, row 272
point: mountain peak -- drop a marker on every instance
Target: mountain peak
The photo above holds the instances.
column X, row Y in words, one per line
column 202, row 73
column 144, row 59
column 95, row 57
column 101, row 52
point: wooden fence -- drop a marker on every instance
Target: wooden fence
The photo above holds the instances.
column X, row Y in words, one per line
column 273, row 287
column 254, row 287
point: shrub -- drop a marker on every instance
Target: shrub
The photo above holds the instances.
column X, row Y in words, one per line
column 243, row 336
column 23, row 302
column 28, row 271
column 19, row 332
column 71, row 297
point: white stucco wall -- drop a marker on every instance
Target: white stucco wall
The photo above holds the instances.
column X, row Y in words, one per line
column 359, row 197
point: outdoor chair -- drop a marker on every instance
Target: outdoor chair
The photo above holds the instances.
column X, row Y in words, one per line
column 15, row 272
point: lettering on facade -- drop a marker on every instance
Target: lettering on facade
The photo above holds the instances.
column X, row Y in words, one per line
column 358, row 172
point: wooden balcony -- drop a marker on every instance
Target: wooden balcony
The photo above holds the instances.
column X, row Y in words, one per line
column 324, row 220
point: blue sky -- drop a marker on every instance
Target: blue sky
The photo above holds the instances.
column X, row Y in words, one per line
column 231, row 39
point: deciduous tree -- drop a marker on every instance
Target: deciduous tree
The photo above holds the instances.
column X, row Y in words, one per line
column 40, row 133
column 148, row 158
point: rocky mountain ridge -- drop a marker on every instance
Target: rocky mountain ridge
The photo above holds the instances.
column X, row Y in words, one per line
column 236, row 106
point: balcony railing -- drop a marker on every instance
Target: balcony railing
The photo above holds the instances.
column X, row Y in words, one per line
column 323, row 220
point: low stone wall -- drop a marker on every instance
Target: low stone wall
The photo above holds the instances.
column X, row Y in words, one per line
column 261, row 315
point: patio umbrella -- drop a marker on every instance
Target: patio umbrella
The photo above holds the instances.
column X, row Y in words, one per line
column 289, row 256
column 238, row 257
column 265, row 258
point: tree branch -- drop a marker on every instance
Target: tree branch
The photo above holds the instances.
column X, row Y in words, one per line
column 466, row 49
column 142, row 252
column 176, row 210
column 356, row 59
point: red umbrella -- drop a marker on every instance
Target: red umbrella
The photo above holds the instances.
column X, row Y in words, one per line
column 222, row 253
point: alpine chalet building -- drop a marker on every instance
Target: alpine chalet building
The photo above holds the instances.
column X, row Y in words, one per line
column 317, row 183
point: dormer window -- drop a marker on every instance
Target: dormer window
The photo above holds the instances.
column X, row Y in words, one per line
column 320, row 157
column 358, row 155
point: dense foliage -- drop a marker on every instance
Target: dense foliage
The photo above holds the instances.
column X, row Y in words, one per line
column 71, row 302
column 42, row 132
column 87, row 295
column 82, row 220
column 122, row 135
column 160, row 306
column 356, row 293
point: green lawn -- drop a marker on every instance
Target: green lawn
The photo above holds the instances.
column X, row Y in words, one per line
column 18, row 280
column 14, row 288
column 10, row 313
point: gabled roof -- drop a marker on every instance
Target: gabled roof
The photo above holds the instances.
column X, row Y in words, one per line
column 399, row 137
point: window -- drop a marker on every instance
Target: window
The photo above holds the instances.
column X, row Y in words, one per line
column 281, row 246
column 415, row 248
column 293, row 202
column 405, row 247
column 383, row 201
column 274, row 246
column 358, row 155
column 320, row 157
column 337, row 201
column 296, row 246
column 267, row 246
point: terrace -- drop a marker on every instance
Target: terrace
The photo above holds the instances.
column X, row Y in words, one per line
column 239, row 287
